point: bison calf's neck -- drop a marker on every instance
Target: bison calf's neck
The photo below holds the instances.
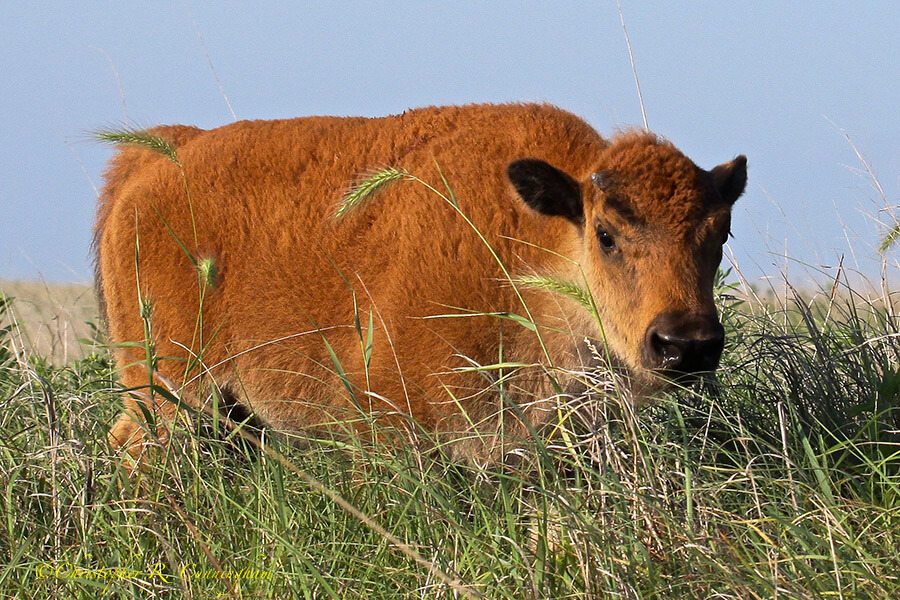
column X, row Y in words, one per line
column 503, row 242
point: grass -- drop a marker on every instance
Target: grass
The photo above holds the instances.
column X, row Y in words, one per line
column 781, row 482
column 53, row 320
column 140, row 139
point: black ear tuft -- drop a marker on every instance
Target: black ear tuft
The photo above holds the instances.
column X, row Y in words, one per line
column 546, row 189
column 731, row 178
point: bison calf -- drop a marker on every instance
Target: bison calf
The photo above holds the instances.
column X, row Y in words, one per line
column 221, row 255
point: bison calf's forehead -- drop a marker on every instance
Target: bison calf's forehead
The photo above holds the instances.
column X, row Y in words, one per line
column 500, row 234
column 647, row 181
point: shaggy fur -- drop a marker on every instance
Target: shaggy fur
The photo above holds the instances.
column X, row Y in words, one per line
column 258, row 198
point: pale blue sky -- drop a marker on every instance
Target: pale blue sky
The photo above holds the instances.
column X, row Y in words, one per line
column 776, row 81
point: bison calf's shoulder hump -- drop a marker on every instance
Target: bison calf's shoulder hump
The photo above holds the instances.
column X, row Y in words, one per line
column 327, row 270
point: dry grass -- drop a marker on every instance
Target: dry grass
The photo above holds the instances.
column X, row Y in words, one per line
column 52, row 318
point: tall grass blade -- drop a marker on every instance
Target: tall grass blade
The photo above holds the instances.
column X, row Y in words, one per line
column 370, row 332
column 818, row 469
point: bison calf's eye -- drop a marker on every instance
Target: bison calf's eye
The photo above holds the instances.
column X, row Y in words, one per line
column 607, row 243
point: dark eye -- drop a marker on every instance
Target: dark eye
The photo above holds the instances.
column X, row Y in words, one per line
column 606, row 241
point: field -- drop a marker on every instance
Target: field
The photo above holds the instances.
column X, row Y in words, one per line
column 781, row 481
column 52, row 319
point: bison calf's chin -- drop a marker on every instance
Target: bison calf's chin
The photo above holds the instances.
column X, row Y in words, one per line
column 461, row 277
column 681, row 344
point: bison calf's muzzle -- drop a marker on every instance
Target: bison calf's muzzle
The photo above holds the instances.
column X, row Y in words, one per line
column 684, row 343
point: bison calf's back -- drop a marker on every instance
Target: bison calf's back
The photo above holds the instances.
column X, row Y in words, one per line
column 225, row 255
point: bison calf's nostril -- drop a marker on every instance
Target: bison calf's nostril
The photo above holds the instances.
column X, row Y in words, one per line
column 684, row 342
column 667, row 349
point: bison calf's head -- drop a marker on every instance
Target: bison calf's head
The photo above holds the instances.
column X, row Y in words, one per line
column 647, row 227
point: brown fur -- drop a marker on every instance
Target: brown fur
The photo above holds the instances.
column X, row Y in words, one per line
column 260, row 202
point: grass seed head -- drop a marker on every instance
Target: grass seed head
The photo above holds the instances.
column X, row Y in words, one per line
column 365, row 188
column 141, row 139
column 207, row 271
column 558, row 286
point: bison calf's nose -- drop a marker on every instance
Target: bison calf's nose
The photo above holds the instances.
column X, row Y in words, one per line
column 684, row 342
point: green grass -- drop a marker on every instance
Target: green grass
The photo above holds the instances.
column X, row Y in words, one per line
column 781, row 482
column 139, row 139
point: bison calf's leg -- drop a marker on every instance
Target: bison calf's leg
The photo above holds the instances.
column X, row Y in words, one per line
column 132, row 433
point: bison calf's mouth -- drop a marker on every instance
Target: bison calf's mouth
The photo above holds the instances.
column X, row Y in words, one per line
column 684, row 344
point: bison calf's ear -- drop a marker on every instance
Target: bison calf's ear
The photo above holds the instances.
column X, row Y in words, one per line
column 546, row 189
column 730, row 178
